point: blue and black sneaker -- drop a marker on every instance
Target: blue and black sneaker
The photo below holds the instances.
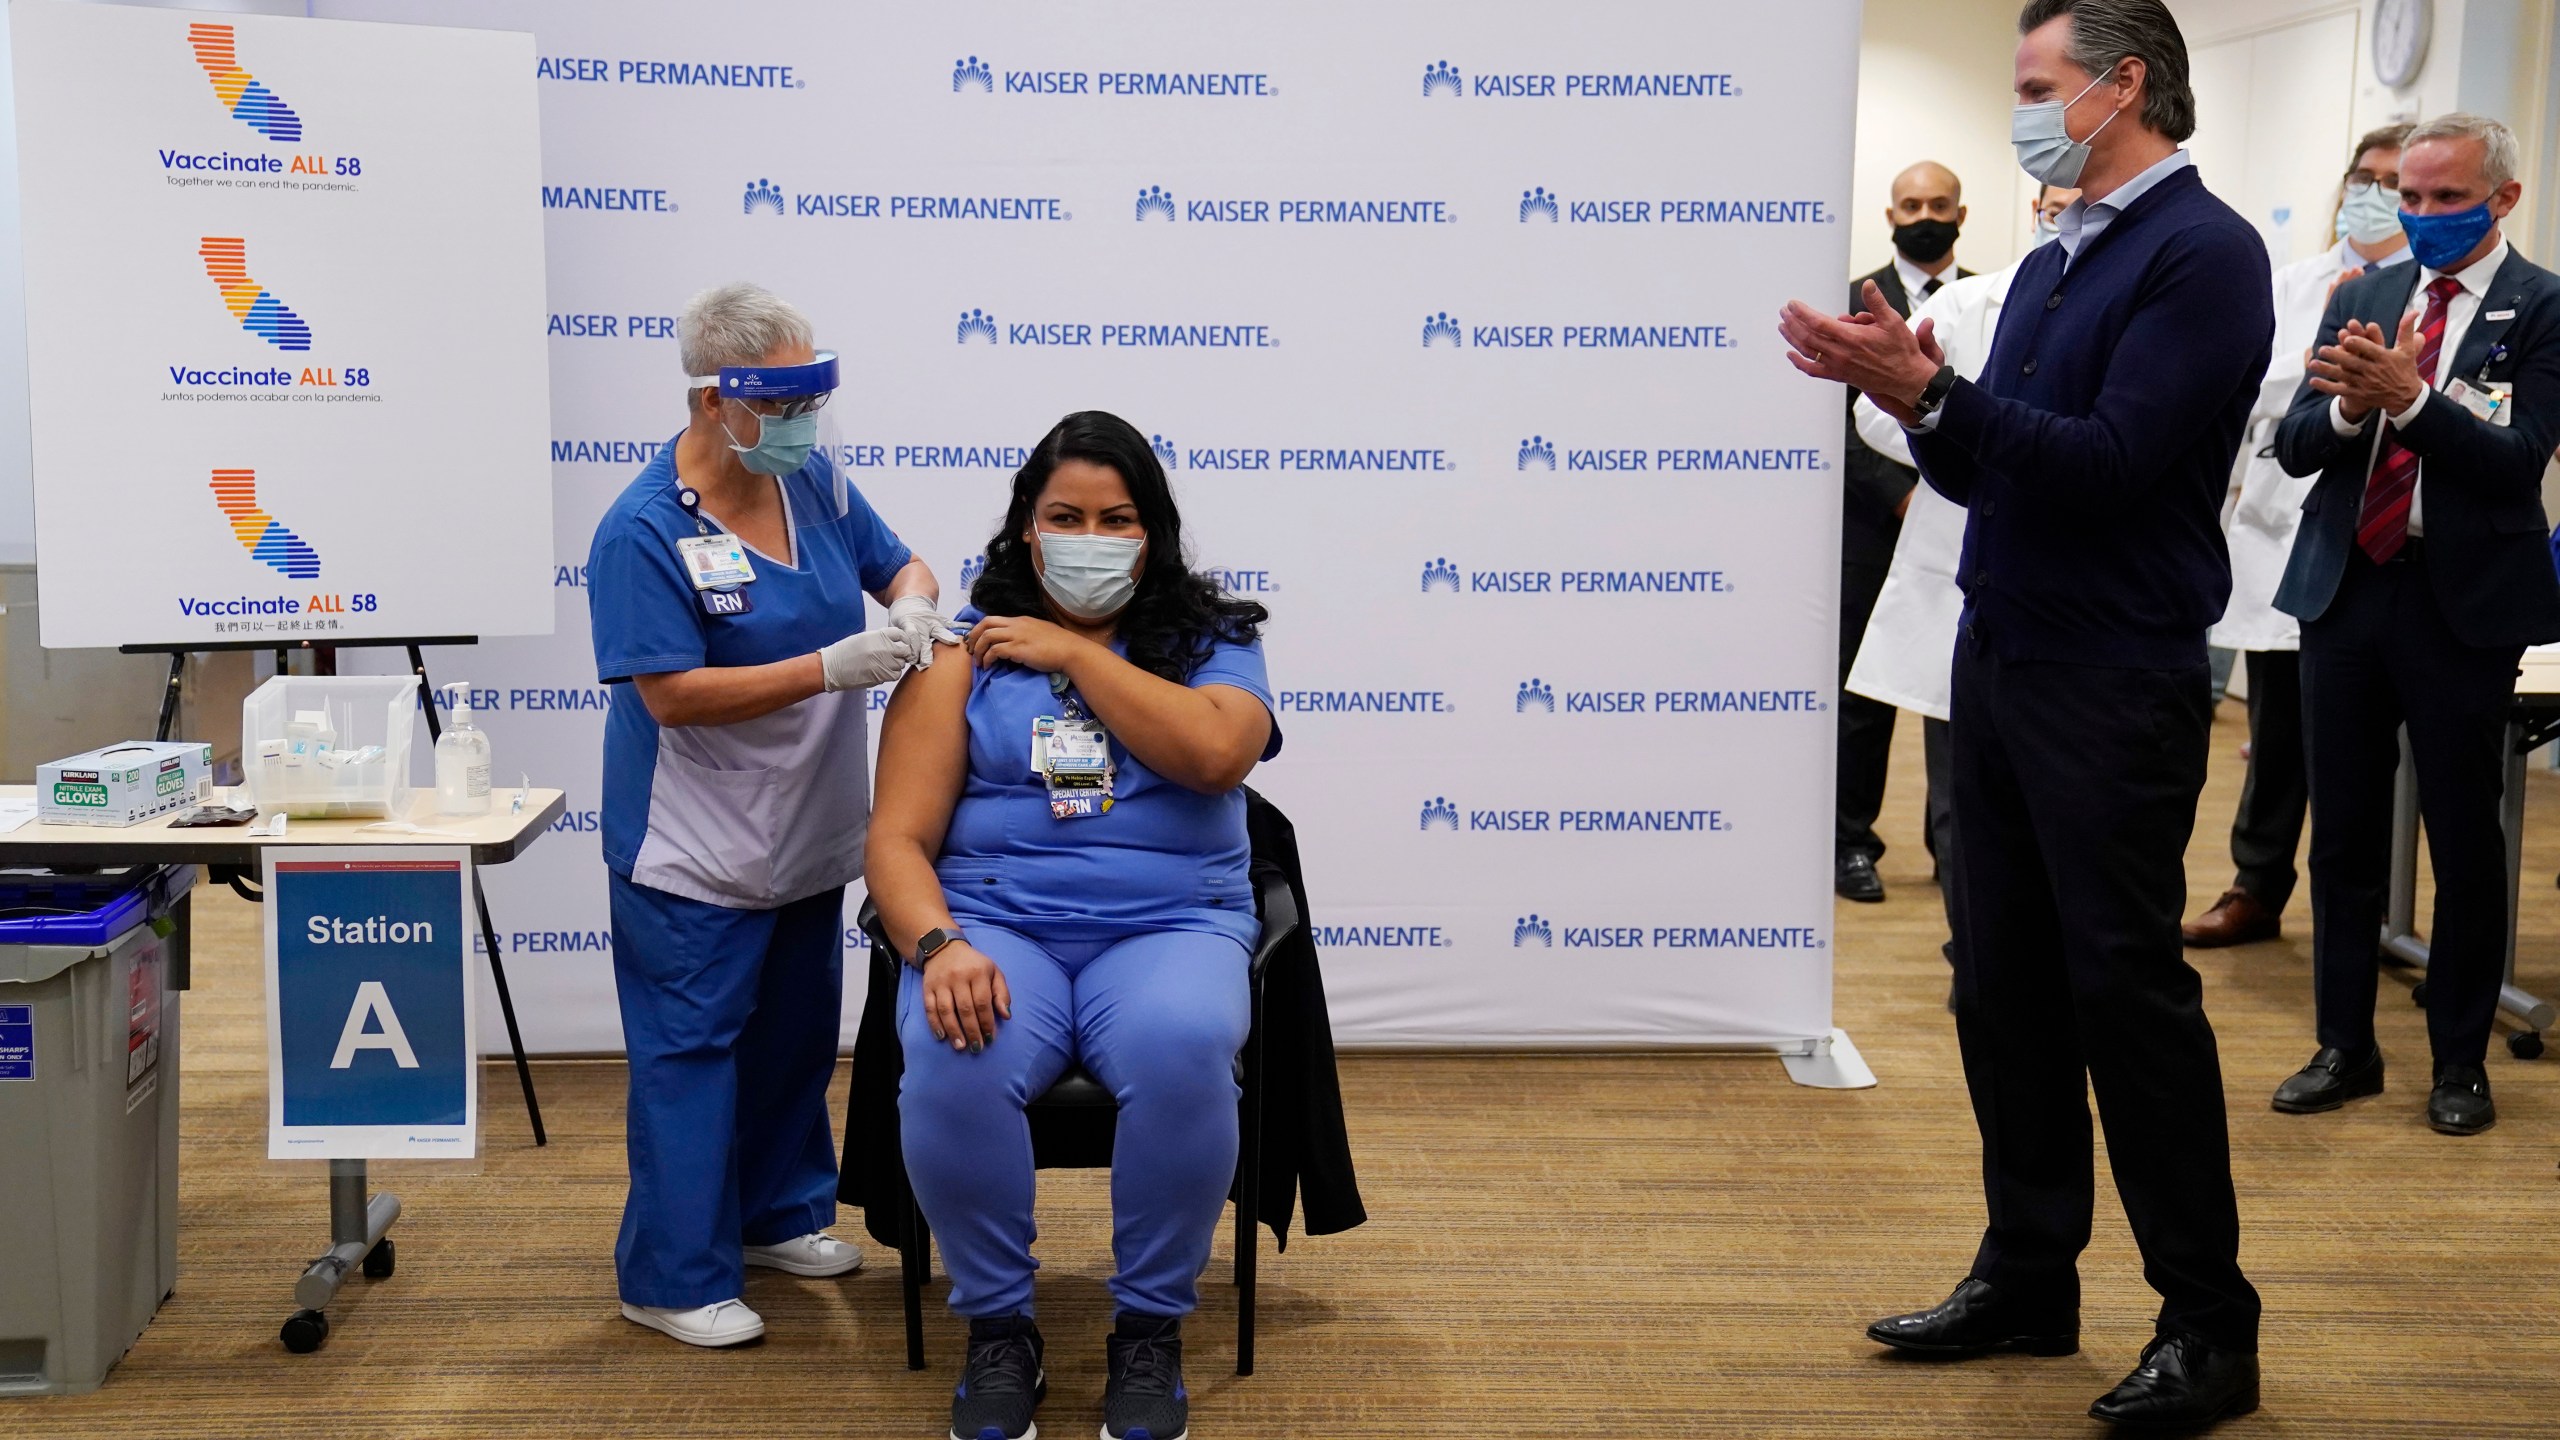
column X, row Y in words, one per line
column 1144, row 1398
column 1002, row 1383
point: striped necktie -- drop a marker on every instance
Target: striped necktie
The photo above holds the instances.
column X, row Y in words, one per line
column 2382, row 529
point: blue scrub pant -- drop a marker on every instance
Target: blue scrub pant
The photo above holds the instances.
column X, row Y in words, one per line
column 731, row 1018
column 1157, row 1017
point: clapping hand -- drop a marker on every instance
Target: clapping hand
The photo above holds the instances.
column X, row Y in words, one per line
column 1874, row 351
column 2367, row 371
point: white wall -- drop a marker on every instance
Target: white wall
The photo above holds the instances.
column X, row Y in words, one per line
column 1933, row 84
column 2493, row 57
column 2274, row 112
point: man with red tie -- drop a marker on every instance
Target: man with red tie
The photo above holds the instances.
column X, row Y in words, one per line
column 2420, row 574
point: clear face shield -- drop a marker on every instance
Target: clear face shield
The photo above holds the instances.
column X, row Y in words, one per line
column 776, row 415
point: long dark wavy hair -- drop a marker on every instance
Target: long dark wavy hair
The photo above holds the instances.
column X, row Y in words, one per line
column 1176, row 617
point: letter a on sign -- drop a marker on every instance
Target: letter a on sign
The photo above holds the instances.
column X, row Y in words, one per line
column 373, row 1004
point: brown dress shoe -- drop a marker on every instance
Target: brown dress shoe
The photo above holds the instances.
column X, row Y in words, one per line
column 2235, row 919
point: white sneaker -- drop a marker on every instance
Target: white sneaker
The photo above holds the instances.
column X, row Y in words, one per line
column 817, row 1254
column 728, row 1323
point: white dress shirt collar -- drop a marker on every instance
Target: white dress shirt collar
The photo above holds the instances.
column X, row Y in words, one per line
column 2477, row 276
column 2084, row 222
column 2348, row 259
column 1915, row 279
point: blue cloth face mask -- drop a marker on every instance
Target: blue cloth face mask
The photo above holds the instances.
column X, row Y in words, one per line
column 2042, row 138
column 2370, row 215
column 1089, row 575
column 2440, row 241
column 782, row 443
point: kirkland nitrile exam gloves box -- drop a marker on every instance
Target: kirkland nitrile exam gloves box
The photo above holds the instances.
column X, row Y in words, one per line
column 124, row 784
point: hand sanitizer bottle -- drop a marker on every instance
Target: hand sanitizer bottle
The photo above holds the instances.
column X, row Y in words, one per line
column 462, row 763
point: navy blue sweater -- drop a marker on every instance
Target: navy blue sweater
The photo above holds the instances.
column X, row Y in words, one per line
column 2094, row 453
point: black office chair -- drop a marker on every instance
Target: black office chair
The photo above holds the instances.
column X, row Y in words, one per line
column 1073, row 1123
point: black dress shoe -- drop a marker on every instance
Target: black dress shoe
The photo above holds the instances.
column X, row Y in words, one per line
column 1854, row 878
column 1977, row 1320
column 2461, row 1103
column 2333, row 1078
column 2181, row 1384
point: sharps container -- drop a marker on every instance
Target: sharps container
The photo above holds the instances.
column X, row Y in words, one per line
column 88, row 1118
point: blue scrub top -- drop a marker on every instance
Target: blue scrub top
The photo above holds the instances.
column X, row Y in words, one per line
column 1165, row 857
column 763, row 812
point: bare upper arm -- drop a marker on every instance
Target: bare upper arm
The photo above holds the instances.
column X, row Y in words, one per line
column 924, row 751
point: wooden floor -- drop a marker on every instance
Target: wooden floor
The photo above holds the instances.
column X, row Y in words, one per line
column 1663, row 1246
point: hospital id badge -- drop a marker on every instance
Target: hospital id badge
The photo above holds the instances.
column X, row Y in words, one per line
column 2489, row 401
column 715, row 562
column 1074, row 756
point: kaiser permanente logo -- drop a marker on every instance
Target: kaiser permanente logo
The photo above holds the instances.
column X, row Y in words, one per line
column 763, row 197
column 1442, row 79
column 247, row 101
column 1543, row 932
column 1154, row 202
column 610, row 199
column 981, row 327
column 1441, row 574
column 1536, row 697
column 1537, row 452
column 1439, row 812
column 678, row 74
column 1539, row 205
column 973, row 76
column 1442, row 329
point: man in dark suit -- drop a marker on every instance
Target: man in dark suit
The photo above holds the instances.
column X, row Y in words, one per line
column 1926, row 214
column 2420, row 574
column 2092, row 456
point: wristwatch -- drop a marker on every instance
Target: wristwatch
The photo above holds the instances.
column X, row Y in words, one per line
column 931, row 943
column 1934, row 394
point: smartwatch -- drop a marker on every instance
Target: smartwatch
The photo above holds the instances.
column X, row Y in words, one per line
column 931, row 942
column 1934, row 394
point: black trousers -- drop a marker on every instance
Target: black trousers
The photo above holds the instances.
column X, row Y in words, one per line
column 1937, row 752
column 2076, row 786
column 2275, row 793
column 1866, row 726
column 2381, row 657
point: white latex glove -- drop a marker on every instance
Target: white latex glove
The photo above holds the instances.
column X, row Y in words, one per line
column 865, row 658
column 922, row 624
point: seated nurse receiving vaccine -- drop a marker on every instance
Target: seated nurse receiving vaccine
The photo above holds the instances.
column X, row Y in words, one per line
column 1058, row 849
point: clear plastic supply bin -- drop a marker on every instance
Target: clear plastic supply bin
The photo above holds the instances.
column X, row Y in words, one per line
column 358, row 762
column 88, row 1120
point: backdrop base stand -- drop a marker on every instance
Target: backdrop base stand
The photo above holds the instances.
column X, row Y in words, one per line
column 1830, row 1063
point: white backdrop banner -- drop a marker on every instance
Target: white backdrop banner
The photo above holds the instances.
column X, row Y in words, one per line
column 1455, row 326
column 273, row 268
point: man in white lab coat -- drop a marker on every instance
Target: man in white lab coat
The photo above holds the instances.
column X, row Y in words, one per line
column 1908, row 652
column 2259, row 522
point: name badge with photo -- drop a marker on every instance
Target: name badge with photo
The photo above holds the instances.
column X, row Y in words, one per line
column 715, row 562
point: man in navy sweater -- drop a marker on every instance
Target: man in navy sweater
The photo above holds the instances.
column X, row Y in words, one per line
column 2092, row 455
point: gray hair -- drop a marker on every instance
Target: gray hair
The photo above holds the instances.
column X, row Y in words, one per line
column 2499, row 157
column 736, row 324
column 2106, row 33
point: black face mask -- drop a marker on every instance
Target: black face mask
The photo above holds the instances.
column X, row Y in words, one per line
column 1925, row 241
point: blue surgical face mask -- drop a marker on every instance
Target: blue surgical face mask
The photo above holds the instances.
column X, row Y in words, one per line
column 2440, row 241
column 782, row 443
column 2370, row 215
column 2042, row 138
column 1089, row 575
column 2045, row 229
